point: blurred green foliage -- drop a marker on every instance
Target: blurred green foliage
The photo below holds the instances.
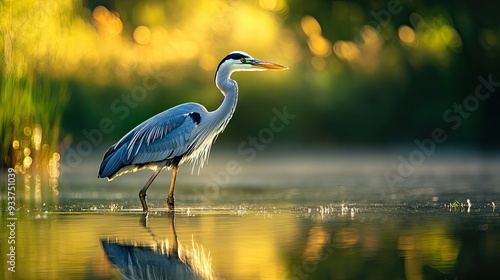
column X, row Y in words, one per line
column 32, row 100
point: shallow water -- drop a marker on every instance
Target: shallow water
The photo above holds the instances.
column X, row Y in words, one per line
column 313, row 216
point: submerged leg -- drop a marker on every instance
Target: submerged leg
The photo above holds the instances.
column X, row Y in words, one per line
column 142, row 193
column 170, row 198
column 175, row 241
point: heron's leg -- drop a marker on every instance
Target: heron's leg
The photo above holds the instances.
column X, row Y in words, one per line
column 142, row 193
column 170, row 198
column 175, row 242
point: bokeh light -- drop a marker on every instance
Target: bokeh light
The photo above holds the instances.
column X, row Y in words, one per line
column 273, row 5
column 319, row 46
column 346, row 50
column 107, row 21
column 142, row 35
column 407, row 35
column 310, row 26
column 37, row 137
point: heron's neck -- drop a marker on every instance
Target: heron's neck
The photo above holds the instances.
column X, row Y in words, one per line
column 229, row 89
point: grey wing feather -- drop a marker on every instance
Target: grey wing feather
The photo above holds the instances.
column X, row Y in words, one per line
column 156, row 143
column 160, row 138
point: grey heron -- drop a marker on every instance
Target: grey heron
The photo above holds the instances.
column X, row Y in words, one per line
column 184, row 133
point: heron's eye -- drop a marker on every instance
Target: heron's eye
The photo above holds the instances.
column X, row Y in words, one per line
column 243, row 60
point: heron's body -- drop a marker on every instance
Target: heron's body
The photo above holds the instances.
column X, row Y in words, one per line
column 180, row 134
column 169, row 138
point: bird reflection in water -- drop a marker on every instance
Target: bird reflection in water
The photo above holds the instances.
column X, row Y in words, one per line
column 162, row 260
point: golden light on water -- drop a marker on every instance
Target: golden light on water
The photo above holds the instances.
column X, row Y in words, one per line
column 316, row 241
column 38, row 190
column 347, row 237
column 432, row 246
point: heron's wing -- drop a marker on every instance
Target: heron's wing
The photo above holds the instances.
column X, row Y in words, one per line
column 162, row 137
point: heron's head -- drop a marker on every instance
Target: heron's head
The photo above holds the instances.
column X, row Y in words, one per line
column 240, row 61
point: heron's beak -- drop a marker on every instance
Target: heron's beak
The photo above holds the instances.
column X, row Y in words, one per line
column 267, row 65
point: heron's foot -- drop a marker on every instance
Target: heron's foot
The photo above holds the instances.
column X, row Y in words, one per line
column 142, row 197
column 171, row 203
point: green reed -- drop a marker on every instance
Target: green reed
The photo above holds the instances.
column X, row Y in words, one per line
column 30, row 119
